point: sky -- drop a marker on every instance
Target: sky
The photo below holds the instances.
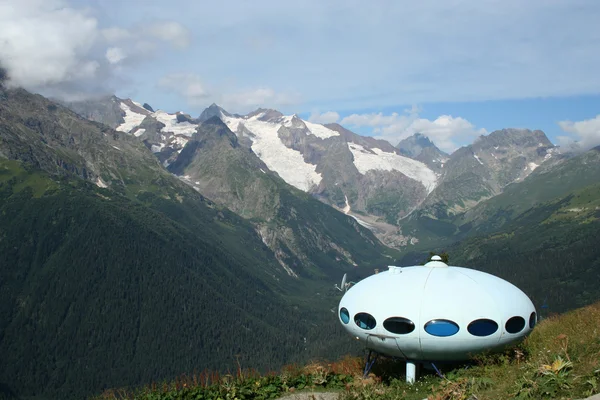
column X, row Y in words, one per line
column 452, row 70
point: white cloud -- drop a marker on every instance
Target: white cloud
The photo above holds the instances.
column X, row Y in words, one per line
column 374, row 119
column 192, row 89
column 115, row 55
column 328, row 117
column 53, row 48
column 169, row 31
column 44, row 43
column 585, row 133
column 392, row 52
column 446, row 131
column 115, row 34
column 187, row 85
column 249, row 99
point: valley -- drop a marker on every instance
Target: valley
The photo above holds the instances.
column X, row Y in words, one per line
column 137, row 245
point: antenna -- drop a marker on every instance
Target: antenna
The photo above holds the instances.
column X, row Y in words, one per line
column 343, row 287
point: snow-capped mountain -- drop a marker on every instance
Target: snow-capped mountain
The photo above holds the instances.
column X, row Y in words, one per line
column 361, row 176
column 373, row 181
column 364, row 177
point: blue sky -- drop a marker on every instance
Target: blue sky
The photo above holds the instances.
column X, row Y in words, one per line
column 452, row 70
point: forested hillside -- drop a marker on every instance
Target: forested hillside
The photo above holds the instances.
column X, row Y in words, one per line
column 113, row 272
column 97, row 290
column 550, row 250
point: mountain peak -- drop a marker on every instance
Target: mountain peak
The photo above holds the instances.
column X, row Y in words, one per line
column 268, row 114
column 514, row 137
column 215, row 121
column 414, row 145
column 212, row 111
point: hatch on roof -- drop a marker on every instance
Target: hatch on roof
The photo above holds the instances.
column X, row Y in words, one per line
column 436, row 262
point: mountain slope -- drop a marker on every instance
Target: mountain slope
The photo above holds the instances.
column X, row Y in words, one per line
column 308, row 237
column 419, row 147
column 54, row 139
column 367, row 178
column 476, row 173
column 558, row 180
column 549, row 250
column 484, row 168
column 539, row 234
column 404, row 195
column 134, row 282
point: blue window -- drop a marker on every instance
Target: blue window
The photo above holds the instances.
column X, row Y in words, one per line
column 515, row 325
column 365, row 321
column 532, row 320
column 482, row 327
column 344, row 315
column 399, row 325
column 441, row 327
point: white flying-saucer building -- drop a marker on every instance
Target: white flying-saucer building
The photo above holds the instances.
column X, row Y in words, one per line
column 435, row 312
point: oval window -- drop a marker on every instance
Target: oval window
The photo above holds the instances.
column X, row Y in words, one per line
column 532, row 320
column 365, row 321
column 441, row 327
column 515, row 325
column 344, row 315
column 482, row 327
column 399, row 325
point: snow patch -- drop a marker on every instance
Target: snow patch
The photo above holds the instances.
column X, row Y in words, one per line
column 346, row 208
column 477, row 158
column 179, row 140
column 139, row 132
column 157, row 148
column 232, row 123
column 363, row 223
column 100, row 183
column 288, row 163
column 115, row 147
column 532, row 166
column 132, row 119
column 171, row 125
column 320, row 131
column 377, row 159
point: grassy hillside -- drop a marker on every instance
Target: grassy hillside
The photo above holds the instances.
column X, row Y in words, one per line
column 559, row 360
column 550, row 251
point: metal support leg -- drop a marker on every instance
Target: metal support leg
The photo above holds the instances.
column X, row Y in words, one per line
column 437, row 371
column 369, row 363
column 411, row 372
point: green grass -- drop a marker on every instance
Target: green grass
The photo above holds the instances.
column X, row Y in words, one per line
column 560, row 359
column 22, row 178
